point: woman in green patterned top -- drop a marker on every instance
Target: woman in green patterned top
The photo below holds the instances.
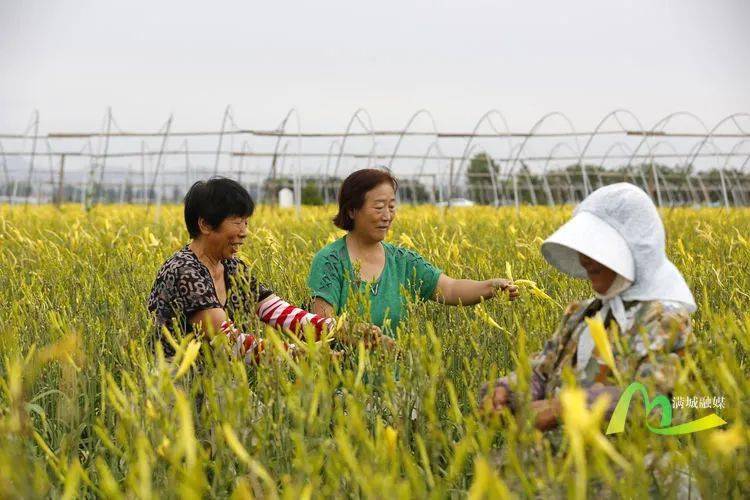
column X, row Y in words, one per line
column 367, row 208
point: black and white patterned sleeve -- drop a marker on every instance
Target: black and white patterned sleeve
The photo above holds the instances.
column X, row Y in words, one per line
column 195, row 290
column 181, row 289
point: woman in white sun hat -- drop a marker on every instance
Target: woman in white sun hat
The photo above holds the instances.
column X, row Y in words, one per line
column 615, row 239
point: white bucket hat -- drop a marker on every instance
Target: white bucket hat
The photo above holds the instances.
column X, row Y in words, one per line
column 588, row 234
column 618, row 225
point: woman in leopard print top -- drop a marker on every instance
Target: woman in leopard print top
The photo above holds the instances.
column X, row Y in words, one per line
column 205, row 288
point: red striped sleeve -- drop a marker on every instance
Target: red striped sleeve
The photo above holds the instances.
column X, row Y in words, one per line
column 263, row 310
column 297, row 318
column 282, row 317
column 266, row 318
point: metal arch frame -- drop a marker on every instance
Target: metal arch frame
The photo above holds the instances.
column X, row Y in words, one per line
column 711, row 132
column 5, row 172
column 280, row 170
column 35, row 125
column 355, row 116
column 539, row 123
column 690, row 175
column 611, row 114
column 272, row 171
column 433, row 145
column 651, row 150
column 529, row 183
column 480, row 146
column 100, row 166
column 143, row 167
column 508, row 175
column 227, row 112
column 282, row 129
column 90, row 149
column 734, row 150
column 406, row 128
column 624, row 148
column 745, row 164
column 660, row 124
column 548, row 190
column 187, row 165
column 165, row 137
column 373, row 153
column 717, row 152
column 245, row 148
column 485, row 117
column 733, row 117
column 333, row 143
column 710, row 143
column 326, row 178
column 50, row 154
column 298, row 171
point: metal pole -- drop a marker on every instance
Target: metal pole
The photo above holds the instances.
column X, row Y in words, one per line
column 61, row 185
column 450, row 183
column 656, row 183
column 221, row 138
column 33, row 153
column 187, row 167
column 104, row 159
column 159, row 194
column 547, row 190
column 159, row 158
column 723, row 188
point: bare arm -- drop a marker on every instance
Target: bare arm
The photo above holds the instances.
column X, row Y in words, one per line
column 469, row 292
column 546, row 412
column 322, row 308
column 209, row 321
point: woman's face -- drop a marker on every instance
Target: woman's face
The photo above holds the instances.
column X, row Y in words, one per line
column 226, row 239
column 377, row 213
column 601, row 277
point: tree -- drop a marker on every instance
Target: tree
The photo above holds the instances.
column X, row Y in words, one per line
column 311, row 194
column 413, row 191
column 479, row 178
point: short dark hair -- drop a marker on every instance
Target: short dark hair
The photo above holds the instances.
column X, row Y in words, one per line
column 214, row 200
column 353, row 191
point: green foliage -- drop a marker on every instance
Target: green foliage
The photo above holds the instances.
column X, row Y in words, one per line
column 87, row 409
column 311, row 195
column 479, row 175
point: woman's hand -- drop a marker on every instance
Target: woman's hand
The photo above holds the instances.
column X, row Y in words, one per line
column 500, row 398
column 372, row 335
column 547, row 413
column 494, row 396
column 469, row 292
column 504, row 285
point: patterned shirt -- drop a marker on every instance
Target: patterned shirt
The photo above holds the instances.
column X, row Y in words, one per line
column 184, row 286
column 650, row 352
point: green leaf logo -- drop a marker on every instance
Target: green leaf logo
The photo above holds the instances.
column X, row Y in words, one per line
column 617, row 422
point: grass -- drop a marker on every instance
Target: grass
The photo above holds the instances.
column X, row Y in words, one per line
column 87, row 409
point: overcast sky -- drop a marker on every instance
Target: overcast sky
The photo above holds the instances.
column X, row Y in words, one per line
column 72, row 59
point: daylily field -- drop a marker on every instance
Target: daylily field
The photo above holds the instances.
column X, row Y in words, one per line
column 89, row 409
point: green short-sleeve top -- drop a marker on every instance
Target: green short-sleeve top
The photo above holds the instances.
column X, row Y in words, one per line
column 331, row 279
